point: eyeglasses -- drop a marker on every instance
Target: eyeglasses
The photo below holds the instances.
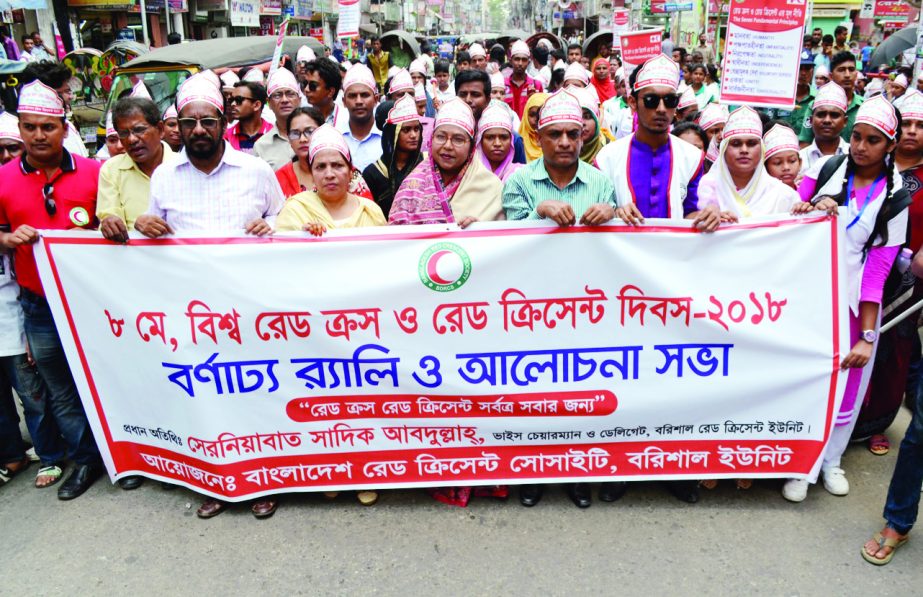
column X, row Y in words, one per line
column 137, row 131
column 12, row 148
column 456, row 140
column 283, row 94
column 207, row 123
column 294, row 134
column 48, row 195
column 239, row 99
column 312, row 86
column 652, row 100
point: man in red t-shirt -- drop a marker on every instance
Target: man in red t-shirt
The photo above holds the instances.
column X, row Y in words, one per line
column 520, row 85
column 49, row 188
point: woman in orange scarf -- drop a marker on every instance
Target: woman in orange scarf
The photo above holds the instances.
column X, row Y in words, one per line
column 601, row 80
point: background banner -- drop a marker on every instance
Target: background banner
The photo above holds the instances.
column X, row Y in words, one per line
column 241, row 367
column 639, row 46
column 762, row 52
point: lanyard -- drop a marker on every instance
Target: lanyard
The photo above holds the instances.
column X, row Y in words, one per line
column 868, row 197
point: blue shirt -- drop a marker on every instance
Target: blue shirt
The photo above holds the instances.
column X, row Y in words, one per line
column 364, row 152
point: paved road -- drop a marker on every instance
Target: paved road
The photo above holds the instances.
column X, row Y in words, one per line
column 149, row 542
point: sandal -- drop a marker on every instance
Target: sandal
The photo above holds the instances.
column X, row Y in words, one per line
column 879, row 445
column 708, row 483
column 54, row 471
column 7, row 473
column 891, row 542
column 744, row 484
column 367, row 498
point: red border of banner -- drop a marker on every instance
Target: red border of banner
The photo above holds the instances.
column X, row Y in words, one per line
column 126, row 458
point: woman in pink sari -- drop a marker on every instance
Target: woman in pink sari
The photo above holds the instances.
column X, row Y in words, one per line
column 449, row 187
column 495, row 140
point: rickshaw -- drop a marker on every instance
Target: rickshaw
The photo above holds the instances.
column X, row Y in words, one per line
column 163, row 70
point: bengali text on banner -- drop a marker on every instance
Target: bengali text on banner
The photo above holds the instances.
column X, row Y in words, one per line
column 504, row 353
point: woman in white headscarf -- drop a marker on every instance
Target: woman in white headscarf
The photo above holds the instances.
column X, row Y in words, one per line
column 738, row 182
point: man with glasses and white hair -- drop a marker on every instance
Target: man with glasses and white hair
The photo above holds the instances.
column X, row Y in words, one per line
column 211, row 187
column 49, row 188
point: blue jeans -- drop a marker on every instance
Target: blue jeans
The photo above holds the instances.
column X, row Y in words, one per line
column 904, row 491
column 62, row 405
column 17, row 374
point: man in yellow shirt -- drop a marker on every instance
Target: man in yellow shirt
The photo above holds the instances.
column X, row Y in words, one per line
column 125, row 180
column 379, row 62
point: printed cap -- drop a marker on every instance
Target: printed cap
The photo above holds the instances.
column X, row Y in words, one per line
column 561, row 107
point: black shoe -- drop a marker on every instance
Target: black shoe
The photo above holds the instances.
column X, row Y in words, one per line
column 612, row 491
column 579, row 493
column 686, row 491
column 529, row 495
column 129, row 483
column 79, row 481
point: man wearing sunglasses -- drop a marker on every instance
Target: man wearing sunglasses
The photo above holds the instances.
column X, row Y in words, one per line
column 322, row 85
column 663, row 179
column 284, row 96
column 48, row 188
column 246, row 107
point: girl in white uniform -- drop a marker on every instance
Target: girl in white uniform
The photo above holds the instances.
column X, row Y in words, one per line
column 868, row 191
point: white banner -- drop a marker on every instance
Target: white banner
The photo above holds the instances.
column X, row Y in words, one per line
column 762, row 52
column 348, row 18
column 422, row 356
column 245, row 13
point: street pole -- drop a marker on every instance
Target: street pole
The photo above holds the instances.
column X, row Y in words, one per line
column 704, row 27
column 918, row 63
column 144, row 35
column 166, row 9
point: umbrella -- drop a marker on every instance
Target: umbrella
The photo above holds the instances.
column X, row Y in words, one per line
column 592, row 43
column 895, row 45
column 554, row 39
column 401, row 38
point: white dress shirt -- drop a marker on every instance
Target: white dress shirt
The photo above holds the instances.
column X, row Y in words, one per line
column 241, row 189
column 811, row 154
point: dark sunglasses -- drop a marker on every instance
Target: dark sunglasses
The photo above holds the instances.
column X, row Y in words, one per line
column 48, row 195
column 312, row 85
column 652, row 100
column 239, row 99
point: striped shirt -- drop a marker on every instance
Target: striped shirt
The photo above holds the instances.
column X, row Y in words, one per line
column 530, row 185
column 241, row 189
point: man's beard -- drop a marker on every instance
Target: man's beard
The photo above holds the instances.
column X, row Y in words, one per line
column 201, row 154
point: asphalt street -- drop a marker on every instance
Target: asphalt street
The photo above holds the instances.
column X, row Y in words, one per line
column 149, row 542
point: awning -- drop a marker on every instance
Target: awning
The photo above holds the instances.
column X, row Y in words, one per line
column 368, row 28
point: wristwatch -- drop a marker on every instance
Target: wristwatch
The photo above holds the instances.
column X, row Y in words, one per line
column 869, row 336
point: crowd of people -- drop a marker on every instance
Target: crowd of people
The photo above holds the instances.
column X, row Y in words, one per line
column 518, row 133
